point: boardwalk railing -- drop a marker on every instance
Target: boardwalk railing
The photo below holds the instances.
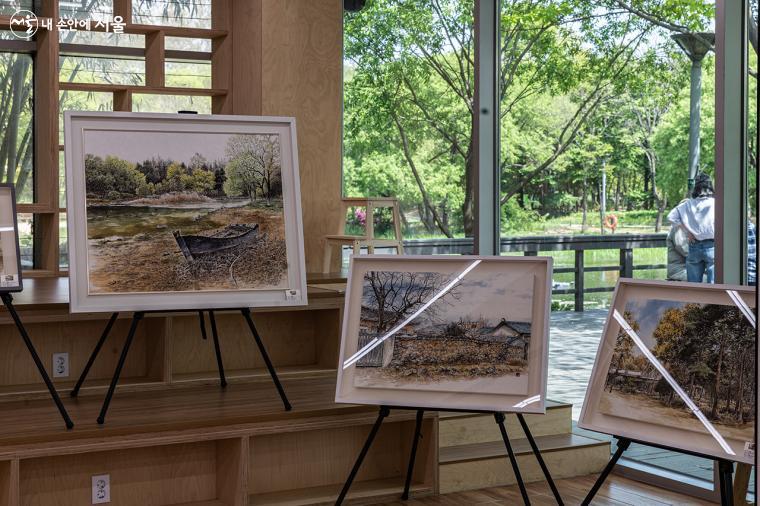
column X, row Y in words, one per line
column 533, row 245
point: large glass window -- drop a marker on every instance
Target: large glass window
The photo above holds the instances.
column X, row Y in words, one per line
column 408, row 124
column 97, row 71
column 16, row 127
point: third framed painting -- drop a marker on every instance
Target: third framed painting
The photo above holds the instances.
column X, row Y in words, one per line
column 676, row 368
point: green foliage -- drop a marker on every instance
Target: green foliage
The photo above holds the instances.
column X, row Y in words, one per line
column 586, row 88
column 112, row 178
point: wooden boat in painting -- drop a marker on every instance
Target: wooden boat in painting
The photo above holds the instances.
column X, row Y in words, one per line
column 231, row 237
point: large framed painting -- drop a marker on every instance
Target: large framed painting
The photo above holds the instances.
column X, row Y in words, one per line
column 676, row 367
column 448, row 332
column 172, row 211
column 10, row 256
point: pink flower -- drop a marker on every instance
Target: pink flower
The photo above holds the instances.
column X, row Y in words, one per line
column 361, row 216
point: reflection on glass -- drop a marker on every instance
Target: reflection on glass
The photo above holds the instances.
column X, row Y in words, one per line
column 16, row 128
column 144, row 102
column 752, row 154
column 409, row 112
column 63, row 243
column 9, row 261
column 97, row 10
column 102, row 38
column 187, row 44
column 81, row 101
column 86, row 69
column 188, row 74
column 26, row 240
column 9, row 7
column 187, row 13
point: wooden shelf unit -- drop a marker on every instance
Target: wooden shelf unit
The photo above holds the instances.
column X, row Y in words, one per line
column 301, row 457
column 168, row 348
column 173, row 436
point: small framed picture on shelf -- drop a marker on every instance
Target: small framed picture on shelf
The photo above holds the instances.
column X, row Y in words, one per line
column 10, row 255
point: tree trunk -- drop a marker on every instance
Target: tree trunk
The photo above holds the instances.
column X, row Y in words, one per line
column 584, row 206
column 716, row 387
column 470, row 186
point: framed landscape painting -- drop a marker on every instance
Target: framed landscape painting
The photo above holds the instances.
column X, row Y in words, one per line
column 676, row 367
column 448, row 332
column 10, row 257
column 171, row 211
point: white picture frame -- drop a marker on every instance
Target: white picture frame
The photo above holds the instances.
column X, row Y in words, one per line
column 143, row 136
column 10, row 253
column 488, row 298
column 620, row 400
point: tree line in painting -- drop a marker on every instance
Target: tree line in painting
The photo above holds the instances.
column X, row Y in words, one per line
column 251, row 169
column 708, row 349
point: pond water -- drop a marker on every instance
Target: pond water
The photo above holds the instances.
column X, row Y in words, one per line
column 125, row 221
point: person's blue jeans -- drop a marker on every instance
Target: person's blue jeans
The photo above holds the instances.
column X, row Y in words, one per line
column 700, row 262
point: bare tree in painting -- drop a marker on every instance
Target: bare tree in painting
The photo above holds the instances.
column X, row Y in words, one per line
column 396, row 295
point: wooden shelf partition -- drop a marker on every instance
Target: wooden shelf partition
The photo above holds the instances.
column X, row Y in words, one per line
column 319, row 462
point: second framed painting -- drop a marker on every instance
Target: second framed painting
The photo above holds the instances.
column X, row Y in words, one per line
column 676, row 368
column 448, row 332
column 172, row 211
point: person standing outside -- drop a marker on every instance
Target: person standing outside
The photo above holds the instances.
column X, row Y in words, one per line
column 678, row 249
column 697, row 217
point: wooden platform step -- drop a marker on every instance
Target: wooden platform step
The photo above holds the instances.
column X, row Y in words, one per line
column 480, row 465
column 362, row 492
column 458, row 429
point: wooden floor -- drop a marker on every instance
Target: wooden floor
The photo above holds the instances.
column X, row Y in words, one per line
column 617, row 491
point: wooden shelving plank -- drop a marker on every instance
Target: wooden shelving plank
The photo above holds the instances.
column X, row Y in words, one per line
column 494, row 449
column 389, row 488
column 195, row 408
column 112, row 88
column 257, row 374
column 53, row 293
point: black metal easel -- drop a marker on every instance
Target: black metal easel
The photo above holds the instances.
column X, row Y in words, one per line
column 498, row 417
column 725, row 470
column 8, row 301
column 137, row 317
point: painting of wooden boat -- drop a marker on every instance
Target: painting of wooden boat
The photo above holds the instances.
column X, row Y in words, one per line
column 231, row 237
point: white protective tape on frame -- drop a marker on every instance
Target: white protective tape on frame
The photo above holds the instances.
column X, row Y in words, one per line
column 743, row 307
column 378, row 340
column 673, row 383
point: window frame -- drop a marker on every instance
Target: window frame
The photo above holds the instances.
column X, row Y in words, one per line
column 46, row 49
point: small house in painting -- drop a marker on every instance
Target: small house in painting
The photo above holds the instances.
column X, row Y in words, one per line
column 516, row 335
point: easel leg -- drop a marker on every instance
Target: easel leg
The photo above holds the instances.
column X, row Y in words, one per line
column 540, row 459
column 247, row 314
column 499, row 417
column 622, row 445
column 117, row 373
column 413, row 453
column 202, row 322
column 726, row 472
column 384, row 412
column 8, row 301
column 217, row 349
column 94, row 354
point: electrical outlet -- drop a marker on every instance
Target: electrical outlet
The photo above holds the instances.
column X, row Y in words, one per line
column 101, row 489
column 60, row 365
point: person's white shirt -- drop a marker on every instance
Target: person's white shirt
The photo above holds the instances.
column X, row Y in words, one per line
column 697, row 216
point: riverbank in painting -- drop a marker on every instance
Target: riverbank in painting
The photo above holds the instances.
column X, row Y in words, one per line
column 131, row 246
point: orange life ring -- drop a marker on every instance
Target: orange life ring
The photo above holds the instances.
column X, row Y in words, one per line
column 611, row 222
